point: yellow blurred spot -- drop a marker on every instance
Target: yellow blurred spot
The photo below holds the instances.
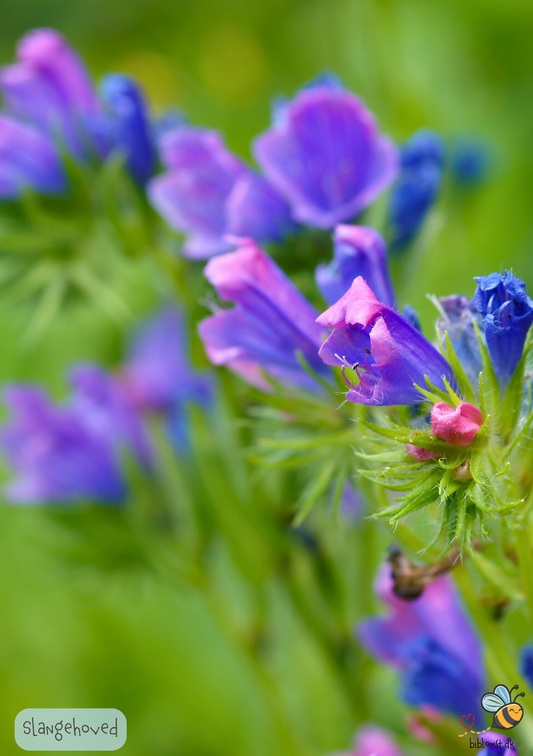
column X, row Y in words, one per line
column 154, row 74
column 232, row 62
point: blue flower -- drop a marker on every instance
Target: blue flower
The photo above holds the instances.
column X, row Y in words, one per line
column 430, row 642
column 459, row 315
column 470, row 160
column 358, row 251
column 131, row 123
column 422, row 160
column 507, row 314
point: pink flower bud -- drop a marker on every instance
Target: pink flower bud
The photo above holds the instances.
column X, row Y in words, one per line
column 421, row 455
column 457, row 425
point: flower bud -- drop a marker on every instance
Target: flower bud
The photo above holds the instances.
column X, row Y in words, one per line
column 457, row 425
column 421, row 455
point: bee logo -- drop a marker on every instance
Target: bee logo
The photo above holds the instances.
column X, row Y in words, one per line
column 507, row 713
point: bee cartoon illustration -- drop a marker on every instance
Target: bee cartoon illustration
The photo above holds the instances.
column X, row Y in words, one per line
column 507, row 713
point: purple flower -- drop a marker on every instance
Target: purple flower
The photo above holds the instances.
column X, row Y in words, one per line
column 372, row 741
column 430, row 641
column 56, row 455
column 28, row 159
column 388, row 353
column 325, row 155
column 422, row 160
column 270, row 322
column 105, row 407
column 50, row 89
column 358, row 251
column 158, row 376
column 157, row 371
column 133, row 131
column 507, row 314
column 208, row 192
column 458, row 319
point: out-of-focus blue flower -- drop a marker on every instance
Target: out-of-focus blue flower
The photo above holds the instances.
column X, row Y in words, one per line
column 270, row 322
column 159, row 377
column 358, row 251
column 325, row 155
column 507, row 314
column 430, row 641
column 133, row 131
column 423, row 147
column 28, row 159
column 56, row 455
column 411, row 315
column 50, row 89
column 470, row 160
column 526, row 663
column 207, row 193
column 388, row 353
column 422, row 161
column 101, row 400
column 459, row 316
column 372, row 741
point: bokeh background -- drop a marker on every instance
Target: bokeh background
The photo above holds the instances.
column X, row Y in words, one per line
column 85, row 618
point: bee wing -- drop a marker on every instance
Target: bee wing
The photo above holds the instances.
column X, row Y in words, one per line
column 492, row 702
column 503, row 692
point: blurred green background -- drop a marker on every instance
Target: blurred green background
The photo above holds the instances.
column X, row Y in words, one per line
column 86, row 617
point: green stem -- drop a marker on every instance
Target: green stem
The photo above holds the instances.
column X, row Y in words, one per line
column 525, row 561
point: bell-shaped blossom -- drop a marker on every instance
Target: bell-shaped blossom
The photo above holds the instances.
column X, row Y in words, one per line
column 130, row 121
column 422, row 161
column 56, row 455
column 106, row 408
column 430, row 641
column 459, row 315
column 507, row 314
column 388, row 354
column 50, row 88
column 28, row 159
column 207, row 193
column 325, row 155
column 358, row 251
column 372, row 741
column 270, row 322
column 456, row 425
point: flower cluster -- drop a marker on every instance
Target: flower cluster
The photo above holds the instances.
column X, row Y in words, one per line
column 72, row 451
column 51, row 106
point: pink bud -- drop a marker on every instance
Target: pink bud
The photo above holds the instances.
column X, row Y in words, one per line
column 457, row 425
column 421, row 455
